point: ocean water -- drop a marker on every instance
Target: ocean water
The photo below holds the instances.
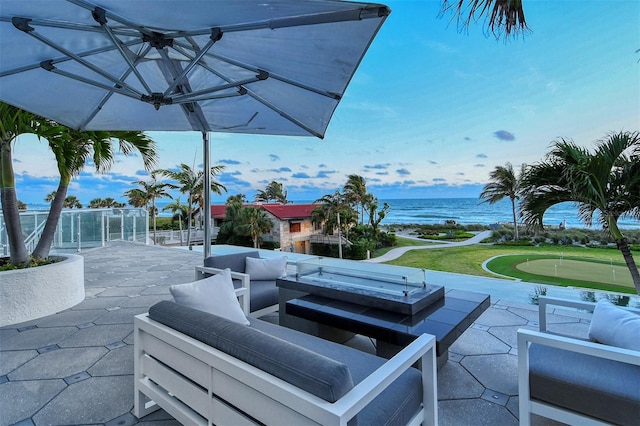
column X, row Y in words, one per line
column 467, row 211
column 464, row 211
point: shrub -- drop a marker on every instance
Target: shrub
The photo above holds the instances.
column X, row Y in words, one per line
column 537, row 292
column 517, row 243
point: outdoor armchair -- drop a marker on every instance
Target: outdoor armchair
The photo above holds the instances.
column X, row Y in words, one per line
column 577, row 381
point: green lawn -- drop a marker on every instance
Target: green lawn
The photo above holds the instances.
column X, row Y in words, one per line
column 469, row 259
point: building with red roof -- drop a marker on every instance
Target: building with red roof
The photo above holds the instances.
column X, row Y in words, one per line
column 292, row 227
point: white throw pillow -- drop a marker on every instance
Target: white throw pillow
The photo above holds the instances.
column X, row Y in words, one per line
column 266, row 269
column 214, row 295
column 614, row 326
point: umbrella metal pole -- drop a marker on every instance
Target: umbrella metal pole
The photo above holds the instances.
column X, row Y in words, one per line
column 206, row 243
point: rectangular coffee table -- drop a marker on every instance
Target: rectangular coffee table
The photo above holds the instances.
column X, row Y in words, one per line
column 446, row 319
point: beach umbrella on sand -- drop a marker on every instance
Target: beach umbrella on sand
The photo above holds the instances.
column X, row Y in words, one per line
column 277, row 67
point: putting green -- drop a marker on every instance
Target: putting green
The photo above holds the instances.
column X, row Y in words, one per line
column 565, row 271
column 579, row 270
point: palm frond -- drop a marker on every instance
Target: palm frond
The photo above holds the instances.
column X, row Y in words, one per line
column 502, row 17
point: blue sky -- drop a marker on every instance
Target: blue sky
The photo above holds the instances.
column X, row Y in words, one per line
column 429, row 113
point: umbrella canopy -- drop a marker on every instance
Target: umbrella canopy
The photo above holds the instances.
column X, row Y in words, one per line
column 277, row 67
column 266, row 67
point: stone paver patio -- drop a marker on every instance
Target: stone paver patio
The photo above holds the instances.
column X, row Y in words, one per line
column 76, row 367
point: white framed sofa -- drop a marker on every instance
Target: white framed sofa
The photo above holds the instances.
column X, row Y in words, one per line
column 579, row 381
column 205, row 369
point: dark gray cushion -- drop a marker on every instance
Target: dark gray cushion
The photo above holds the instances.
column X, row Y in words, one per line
column 600, row 388
column 312, row 372
column 263, row 294
column 234, row 261
column 396, row 405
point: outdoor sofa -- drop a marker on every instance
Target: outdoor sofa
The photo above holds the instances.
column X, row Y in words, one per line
column 258, row 275
column 577, row 381
column 201, row 368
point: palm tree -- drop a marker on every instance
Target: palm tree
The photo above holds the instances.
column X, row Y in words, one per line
column 72, row 149
column 72, row 202
column 191, row 182
column 256, row 222
column 273, row 191
column 13, row 123
column 233, row 229
column 375, row 216
column 504, row 183
column 335, row 212
column 501, row 15
column 108, row 202
column 149, row 192
column 50, row 197
column 606, row 181
column 237, row 198
column 180, row 212
column 356, row 192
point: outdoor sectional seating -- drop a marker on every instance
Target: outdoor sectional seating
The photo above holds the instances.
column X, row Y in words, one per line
column 263, row 293
column 576, row 381
column 202, row 368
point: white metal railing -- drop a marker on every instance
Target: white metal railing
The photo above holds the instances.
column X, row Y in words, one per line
column 82, row 228
column 177, row 237
column 32, row 240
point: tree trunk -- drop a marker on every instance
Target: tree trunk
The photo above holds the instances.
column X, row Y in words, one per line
column 189, row 221
column 10, row 211
column 153, row 215
column 515, row 221
column 11, row 214
column 48, row 233
column 628, row 258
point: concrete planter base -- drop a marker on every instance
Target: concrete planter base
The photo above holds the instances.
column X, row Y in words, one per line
column 27, row 294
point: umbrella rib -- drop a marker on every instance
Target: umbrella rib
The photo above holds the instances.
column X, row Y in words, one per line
column 22, row 26
column 357, row 14
column 70, row 26
column 180, row 47
column 64, row 59
column 132, row 67
column 189, row 96
column 184, row 100
column 284, row 114
column 114, row 89
column 278, row 77
column 110, row 93
column 92, row 7
column 214, row 37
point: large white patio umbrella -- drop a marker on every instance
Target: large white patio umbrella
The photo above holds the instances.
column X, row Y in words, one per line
column 277, row 67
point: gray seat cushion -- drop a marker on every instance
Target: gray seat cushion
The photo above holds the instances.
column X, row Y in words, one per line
column 263, row 294
column 234, row 261
column 396, row 405
column 312, row 372
column 600, row 388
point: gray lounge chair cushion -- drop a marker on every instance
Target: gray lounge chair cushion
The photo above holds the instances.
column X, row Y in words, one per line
column 234, row 261
column 312, row 372
column 263, row 294
column 396, row 405
column 601, row 388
